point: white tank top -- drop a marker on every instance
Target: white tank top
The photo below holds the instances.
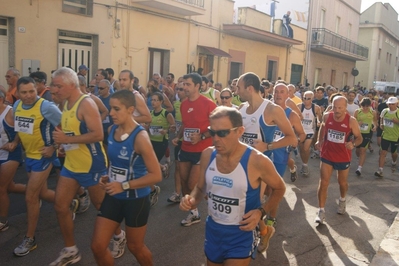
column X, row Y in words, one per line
column 308, row 120
column 3, row 135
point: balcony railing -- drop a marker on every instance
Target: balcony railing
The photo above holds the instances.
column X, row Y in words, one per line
column 322, row 37
column 197, row 3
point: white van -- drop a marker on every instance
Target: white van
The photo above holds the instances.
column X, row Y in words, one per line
column 389, row 87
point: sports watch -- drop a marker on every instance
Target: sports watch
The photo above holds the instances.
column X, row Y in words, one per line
column 264, row 214
column 125, row 185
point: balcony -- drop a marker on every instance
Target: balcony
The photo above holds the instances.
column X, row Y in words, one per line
column 179, row 7
column 328, row 42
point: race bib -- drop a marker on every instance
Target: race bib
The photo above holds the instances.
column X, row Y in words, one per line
column 68, row 146
column 307, row 123
column 248, row 138
column 336, row 136
column 364, row 127
column 277, row 135
column 388, row 122
column 188, row 132
column 24, row 124
column 225, row 209
column 117, row 174
column 156, row 130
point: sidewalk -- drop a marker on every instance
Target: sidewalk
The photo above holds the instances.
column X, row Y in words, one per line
column 388, row 253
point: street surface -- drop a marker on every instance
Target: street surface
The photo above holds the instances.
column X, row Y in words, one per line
column 350, row 239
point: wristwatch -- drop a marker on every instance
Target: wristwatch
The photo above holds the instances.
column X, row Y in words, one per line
column 203, row 136
column 264, row 214
column 269, row 146
column 125, row 185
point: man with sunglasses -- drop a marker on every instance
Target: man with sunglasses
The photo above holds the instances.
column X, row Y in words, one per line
column 311, row 113
column 231, row 174
column 195, row 113
column 42, row 90
column 390, row 134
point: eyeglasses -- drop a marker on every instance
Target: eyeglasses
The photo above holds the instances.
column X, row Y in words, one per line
column 101, row 88
column 92, row 86
column 225, row 97
column 307, row 99
column 99, row 75
column 221, row 133
column 180, row 89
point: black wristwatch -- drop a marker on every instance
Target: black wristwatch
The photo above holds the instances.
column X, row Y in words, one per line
column 269, row 146
column 203, row 136
column 264, row 214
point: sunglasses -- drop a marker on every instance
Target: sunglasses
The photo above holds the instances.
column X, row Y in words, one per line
column 221, row 133
column 225, row 97
column 91, row 86
column 101, row 88
column 307, row 99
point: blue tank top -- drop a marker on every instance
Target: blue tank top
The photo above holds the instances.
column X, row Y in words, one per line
column 108, row 120
column 280, row 155
column 230, row 195
column 126, row 164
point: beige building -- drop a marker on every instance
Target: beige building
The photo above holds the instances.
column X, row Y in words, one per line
column 146, row 36
column 379, row 30
column 334, row 50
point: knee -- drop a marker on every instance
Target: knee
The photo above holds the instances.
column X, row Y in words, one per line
column 135, row 248
column 61, row 207
column 98, row 248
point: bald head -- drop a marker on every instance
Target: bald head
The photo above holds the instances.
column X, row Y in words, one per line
column 340, row 100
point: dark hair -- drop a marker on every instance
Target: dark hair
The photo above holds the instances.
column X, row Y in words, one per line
column 211, row 81
column 126, row 97
column 171, row 74
column 320, row 88
column 233, row 114
column 41, row 76
column 25, row 80
column 195, row 77
column 159, row 96
column 103, row 72
column 110, row 71
column 205, row 79
column 333, row 96
column 131, row 76
column 251, row 79
column 265, row 83
column 365, row 101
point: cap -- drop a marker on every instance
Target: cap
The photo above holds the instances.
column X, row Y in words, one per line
column 84, row 67
column 392, row 100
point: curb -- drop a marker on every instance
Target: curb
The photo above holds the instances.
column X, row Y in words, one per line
column 388, row 252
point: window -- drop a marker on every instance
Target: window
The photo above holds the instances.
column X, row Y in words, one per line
column 158, row 62
column 332, row 80
column 317, row 74
column 387, row 59
column 337, row 22
column 79, row 7
column 390, row 58
column 272, row 70
column 322, row 18
column 345, row 79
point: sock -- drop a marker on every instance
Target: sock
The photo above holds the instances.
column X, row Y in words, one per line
column 381, row 169
column 359, row 168
column 342, row 199
column 305, row 164
column 72, row 249
column 293, row 170
column 322, row 209
column 195, row 212
column 116, row 237
column 393, row 162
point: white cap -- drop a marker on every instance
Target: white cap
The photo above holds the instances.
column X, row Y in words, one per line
column 392, row 100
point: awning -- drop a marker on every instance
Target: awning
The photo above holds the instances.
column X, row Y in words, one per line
column 214, row 51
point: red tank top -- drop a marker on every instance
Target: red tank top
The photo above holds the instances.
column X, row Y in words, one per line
column 335, row 136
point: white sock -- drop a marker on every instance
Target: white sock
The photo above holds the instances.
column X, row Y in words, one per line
column 293, row 170
column 342, row 199
column 119, row 236
column 305, row 164
column 72, row 249
column 381, row 169
column 195, row 212
column 359, row 168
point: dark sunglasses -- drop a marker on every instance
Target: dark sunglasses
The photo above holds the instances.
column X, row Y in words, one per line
column 221, row 133
column 307, row 99
column 225, row 97
column 101, row 88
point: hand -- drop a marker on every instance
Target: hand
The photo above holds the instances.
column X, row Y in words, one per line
column 187, row 203
column 172, row 128
column 59, row 136
column 318, row 145
column 175, row 141
column 259, row 145
column 250, row 220
column 10, row 146
column 349, row 145
column 163, row 132
column 113, row 188
column 47, row 151
column 103, row 181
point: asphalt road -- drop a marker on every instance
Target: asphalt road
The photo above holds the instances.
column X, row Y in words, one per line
column 350, row 239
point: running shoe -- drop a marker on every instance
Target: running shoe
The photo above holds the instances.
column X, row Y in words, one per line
column 66, row 258
column 165, row 171
column 28, row 244
column 4, row 226
column 315, row 155
column 175, row 198
column 154, row 195
column 191, row 219
column 321, row 217
column 118, row 246
column 264, row 240
column 305, row 170
column 358, row 172
column 74, row 207
column 379, row 174
column 341, row 207
column 294, row 176
column 84, row 203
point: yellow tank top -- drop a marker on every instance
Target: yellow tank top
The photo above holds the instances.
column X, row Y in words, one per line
column 81, row 158
column 34, row 131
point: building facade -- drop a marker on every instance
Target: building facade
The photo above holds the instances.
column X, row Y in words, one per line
column 379, row 30
column 146, row 36
column 333, row 36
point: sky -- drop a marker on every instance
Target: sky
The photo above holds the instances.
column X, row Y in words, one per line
column 367, row 3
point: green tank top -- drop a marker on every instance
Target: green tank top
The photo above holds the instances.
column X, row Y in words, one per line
column 236, row 100
column 210, row 94
column 158, row 123
column 178, row 118
column 366, row 119
column 391, row 130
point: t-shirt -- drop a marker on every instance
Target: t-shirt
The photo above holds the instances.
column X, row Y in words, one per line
column 322, row 102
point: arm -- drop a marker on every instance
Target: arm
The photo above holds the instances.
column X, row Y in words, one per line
column 189, row 202
column 318, row 114
column 141, row 107
column 261, row 169
column 356, row 133
column 171, row 122
column 290, row 103
column 101, row 107
column 320, row 137
column 167, row 103
column 87, row 112
column 375, row 121
column 217, row 96
column 298, row 128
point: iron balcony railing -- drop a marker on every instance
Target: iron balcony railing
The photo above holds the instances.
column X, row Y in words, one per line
column 322, row 36
column 197, row 3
